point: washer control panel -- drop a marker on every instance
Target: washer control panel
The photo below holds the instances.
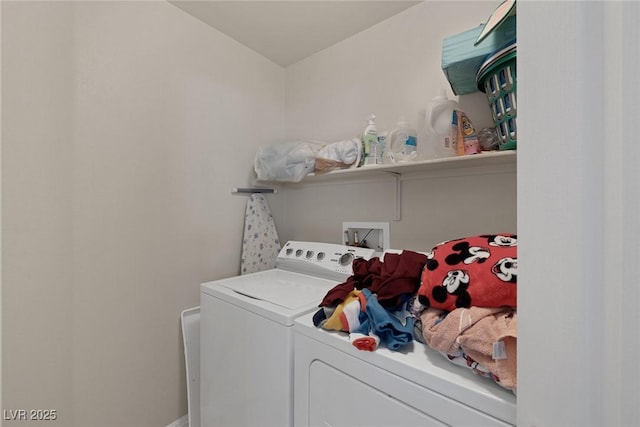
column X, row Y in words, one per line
column 328, row 260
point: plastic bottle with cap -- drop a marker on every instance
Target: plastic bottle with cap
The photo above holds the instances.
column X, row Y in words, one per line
column 438, row 118
column 402, row 143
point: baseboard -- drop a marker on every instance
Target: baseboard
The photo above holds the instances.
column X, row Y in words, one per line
column 183, row 421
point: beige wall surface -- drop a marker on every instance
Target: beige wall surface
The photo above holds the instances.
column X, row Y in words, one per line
column 37, row 156
column 124, row 130
column 392, row 69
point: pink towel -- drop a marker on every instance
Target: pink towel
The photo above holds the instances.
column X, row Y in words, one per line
column 487, row 335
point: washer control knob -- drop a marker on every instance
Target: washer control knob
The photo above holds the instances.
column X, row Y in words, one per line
column 320, row 256
column 299, row 252
column 289, row 251
column 346, row 259
column 309, row 254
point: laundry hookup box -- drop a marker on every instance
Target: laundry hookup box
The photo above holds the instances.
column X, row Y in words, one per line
column 461, row 59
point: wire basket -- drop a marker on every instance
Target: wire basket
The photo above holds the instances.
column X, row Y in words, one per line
column 497, row 79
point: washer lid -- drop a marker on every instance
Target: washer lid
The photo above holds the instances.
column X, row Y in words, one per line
column 278, row 295
column 284, row 290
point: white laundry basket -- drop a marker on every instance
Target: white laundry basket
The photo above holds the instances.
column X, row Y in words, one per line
column 191, row 338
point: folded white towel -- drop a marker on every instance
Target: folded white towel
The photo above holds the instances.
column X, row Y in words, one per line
column 342, row 151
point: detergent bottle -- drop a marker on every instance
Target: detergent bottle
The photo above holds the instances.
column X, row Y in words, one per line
column 438, row 119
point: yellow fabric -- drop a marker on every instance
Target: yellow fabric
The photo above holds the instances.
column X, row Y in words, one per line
column 334, row 322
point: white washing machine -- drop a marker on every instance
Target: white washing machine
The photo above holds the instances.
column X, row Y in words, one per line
column 338, row 385
column 247, row 333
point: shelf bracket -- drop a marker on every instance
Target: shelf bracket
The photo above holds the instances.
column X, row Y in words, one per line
column 253, row 190
column 398, row 194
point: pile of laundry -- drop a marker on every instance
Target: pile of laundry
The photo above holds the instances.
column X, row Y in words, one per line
column 466, row 305
column 459, row 299
column 373, row 305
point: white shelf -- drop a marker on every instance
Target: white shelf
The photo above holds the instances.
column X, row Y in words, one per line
column 487, row 159
column 450, row 165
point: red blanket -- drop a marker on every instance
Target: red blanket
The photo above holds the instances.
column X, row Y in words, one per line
column 477, row 271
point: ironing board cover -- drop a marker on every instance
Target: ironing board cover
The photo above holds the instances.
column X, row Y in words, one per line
column 260, row 243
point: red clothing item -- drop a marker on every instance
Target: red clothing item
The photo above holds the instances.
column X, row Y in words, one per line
column 397, row 276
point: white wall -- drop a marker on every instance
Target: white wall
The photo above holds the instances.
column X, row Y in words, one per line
column 560, row 305
column 124, row 130
column 579, row 203
column 391, row 69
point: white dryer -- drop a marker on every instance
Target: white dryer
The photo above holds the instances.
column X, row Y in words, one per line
column 247, row 333
column 340, row 386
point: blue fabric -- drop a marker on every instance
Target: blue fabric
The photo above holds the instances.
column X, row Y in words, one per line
column 393, row 332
